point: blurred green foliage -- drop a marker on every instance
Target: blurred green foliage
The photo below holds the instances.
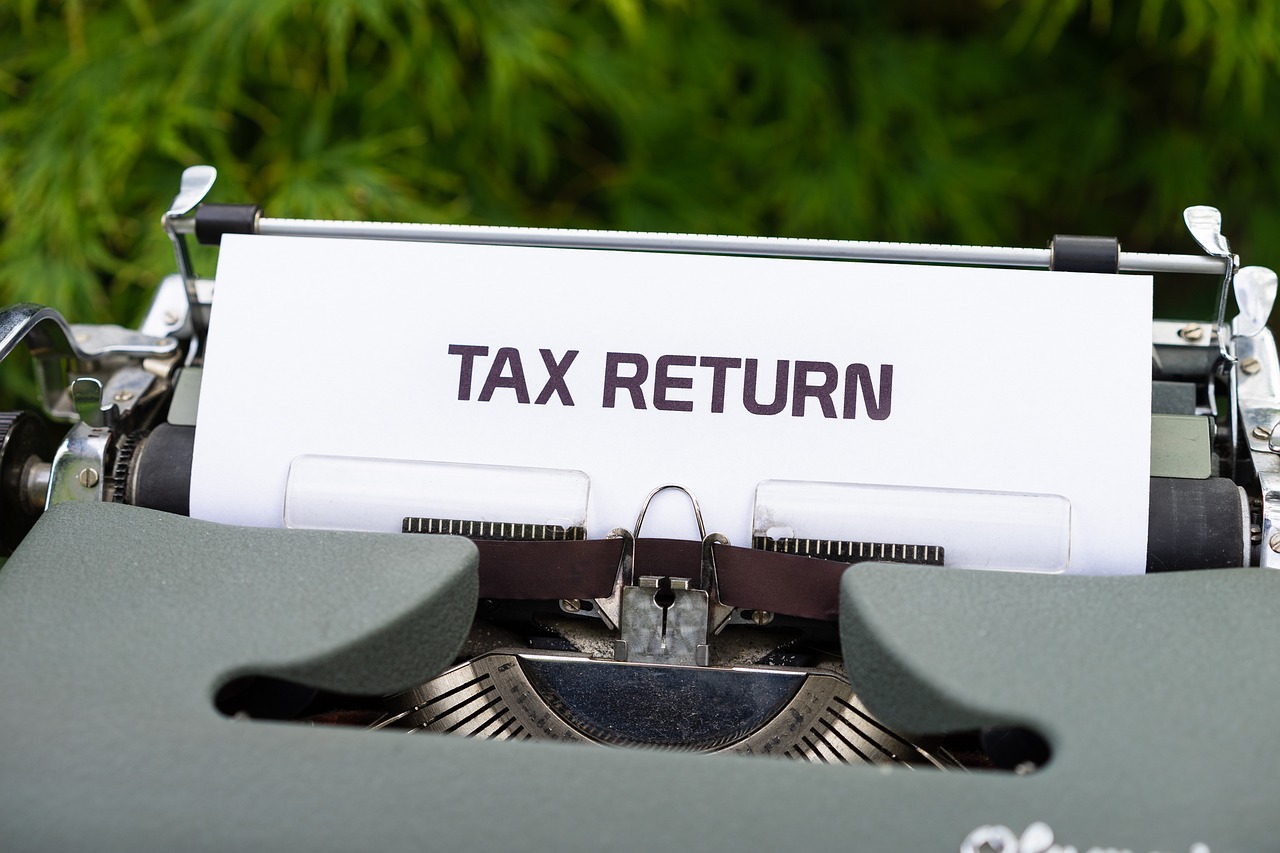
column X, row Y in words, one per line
column 1003, row 122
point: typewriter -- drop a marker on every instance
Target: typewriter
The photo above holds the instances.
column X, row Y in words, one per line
column 170, row 681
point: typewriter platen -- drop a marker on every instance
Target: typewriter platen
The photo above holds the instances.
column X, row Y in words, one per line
column 690, row 648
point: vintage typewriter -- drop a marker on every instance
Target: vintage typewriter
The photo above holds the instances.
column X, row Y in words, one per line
column 168, row 680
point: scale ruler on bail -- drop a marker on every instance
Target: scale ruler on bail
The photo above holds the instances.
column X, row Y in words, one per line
column 852, row 552
column 494, row 530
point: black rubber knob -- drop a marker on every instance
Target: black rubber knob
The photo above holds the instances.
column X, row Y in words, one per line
column 25, row 442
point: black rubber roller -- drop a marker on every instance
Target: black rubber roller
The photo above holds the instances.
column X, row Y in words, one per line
column 1070, row 253
column 214, row 220
column 1196, row 524
column 160, row 472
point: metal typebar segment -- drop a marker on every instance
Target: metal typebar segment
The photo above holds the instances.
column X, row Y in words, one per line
column 780, row 247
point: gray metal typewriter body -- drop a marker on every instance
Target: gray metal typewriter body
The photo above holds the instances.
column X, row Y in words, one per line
column 486, row 686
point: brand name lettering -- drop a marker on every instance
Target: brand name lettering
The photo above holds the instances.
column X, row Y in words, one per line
column 1036, row 838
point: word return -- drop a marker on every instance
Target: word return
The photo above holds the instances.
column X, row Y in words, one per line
column 667, row 383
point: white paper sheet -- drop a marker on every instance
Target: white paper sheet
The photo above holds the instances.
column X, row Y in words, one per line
column 1001, row 380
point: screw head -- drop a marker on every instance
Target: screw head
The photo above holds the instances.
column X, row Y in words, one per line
column 171, row 318
column 1191, row 332
column 761, row 617
column 88, row 477
column 1250, row 365
column 1261, row 432
column 123, row 396
column 1274, row 542
column 570, row 605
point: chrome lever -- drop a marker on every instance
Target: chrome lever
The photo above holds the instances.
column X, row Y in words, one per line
column 196, row 183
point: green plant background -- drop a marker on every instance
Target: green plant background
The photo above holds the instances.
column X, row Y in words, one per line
column 1001, row 122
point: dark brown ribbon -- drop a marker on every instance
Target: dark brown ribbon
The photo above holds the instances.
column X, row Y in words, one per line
column 749, row 579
